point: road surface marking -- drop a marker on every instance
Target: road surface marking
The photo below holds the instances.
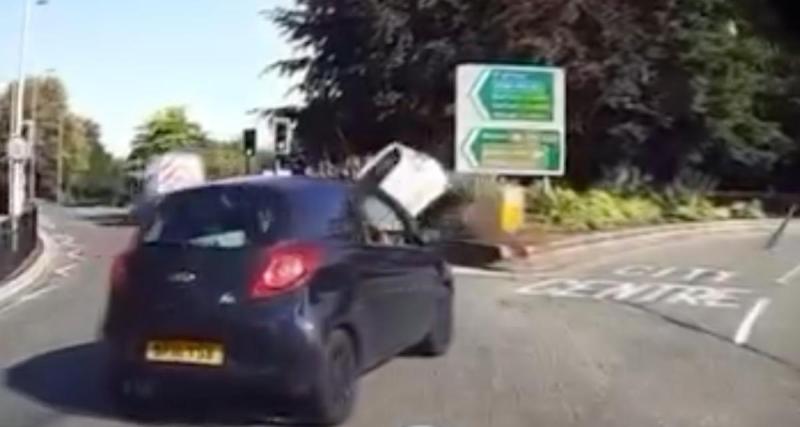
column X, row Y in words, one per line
column 36, row 294
column 638, row 293
column 64, row 240
column 786, row 278
column 65, row 270
column 46, row 223
column 75, row 254
column 746, row 328
column 680, row 274
column 477, row 272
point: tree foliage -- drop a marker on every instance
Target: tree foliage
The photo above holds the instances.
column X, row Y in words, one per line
column 661, row 85
column 166, row 130
column 222, row 159
column 57, row 130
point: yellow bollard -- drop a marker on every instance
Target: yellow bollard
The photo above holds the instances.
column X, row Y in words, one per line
column 512, row 208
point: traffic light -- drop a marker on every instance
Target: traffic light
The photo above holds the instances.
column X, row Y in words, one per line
column 27, row 130
column 282, row 138
column 249, row 142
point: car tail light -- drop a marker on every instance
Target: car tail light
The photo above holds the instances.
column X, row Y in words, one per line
column 119, row 271
column 119, row 267
column 289, row 265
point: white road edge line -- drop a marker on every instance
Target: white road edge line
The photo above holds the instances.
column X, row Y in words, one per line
column 64, row 271
column 477, row 272
column 784, row 280
column 36, row 294
column 746, row 327
column 46, row 223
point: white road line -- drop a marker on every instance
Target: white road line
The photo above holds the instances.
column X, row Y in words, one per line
column 477, row 272
column 46, row 223
column 75, row 255
column 64, row 240
column 65, row 270
column 746, row 327
column 36, row 294
column 786, row 278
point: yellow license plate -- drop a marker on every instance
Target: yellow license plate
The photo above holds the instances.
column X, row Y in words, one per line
column 188, row 352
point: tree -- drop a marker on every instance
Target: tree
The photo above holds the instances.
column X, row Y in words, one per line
column 222, row 159
column 383, row 70
column 735, row 75
column 102, row 179
column 54, row 123
column 167, row 129
column 660, row 85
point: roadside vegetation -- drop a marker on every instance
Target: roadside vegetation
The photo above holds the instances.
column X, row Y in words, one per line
column 664, row 86
column 90, row 173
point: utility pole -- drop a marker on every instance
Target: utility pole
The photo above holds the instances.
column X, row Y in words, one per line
column 19, row 150
column 23, row 47
column 33, row 136
column 16, row 147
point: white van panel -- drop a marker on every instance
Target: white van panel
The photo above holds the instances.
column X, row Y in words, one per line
column 415, row 182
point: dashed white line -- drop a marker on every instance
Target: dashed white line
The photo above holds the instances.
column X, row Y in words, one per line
column 64, row 240
column 746, row 327
column 75, row 255
column 65, row 270
column 786, row 278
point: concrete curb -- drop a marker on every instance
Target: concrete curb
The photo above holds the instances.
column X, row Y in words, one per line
column 638, row 235
column 34, row 272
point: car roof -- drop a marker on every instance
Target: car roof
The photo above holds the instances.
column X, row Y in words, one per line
column 294, row 185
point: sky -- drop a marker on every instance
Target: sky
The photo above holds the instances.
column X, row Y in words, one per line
column 123, row 60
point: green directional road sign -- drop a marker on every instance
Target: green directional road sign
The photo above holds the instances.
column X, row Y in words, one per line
column 510, row 120
column 515, row 149
column 510, row 94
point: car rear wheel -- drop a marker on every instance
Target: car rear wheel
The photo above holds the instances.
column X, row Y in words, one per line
column 335, row 394
column 438, row 340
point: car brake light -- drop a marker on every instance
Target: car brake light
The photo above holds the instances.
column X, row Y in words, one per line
column 119, row 271
column 289, row 265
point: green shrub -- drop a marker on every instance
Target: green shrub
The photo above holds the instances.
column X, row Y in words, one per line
column 594, row 210
column 753, row 209
column 568, row 210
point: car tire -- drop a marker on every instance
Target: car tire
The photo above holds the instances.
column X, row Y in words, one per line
column 439, row 338
column 335, row 393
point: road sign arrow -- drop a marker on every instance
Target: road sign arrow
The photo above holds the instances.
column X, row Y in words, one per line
column 514, row 94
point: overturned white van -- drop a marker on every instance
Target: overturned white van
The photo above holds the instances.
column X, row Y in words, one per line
column 414, row 179
column 167, row 173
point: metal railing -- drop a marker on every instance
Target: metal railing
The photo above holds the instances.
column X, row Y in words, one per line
column 17, row 245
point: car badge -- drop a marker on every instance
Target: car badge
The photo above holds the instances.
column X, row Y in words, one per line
column 184, row 277
column 227, row 299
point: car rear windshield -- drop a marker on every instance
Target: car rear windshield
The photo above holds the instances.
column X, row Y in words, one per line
column 214, row 217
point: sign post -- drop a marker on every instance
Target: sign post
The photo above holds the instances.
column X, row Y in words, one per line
column 18, row 152
column 510, row 120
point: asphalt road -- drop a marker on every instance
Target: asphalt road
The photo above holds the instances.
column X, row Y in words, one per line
column 696, row 332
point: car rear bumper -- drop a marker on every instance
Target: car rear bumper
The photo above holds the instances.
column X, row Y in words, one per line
column 281, row 357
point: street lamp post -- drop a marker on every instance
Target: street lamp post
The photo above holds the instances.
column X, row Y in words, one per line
column 19, row 150
column 23, row 47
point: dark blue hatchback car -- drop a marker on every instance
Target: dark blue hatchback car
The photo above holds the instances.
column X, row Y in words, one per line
column 278, row 291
